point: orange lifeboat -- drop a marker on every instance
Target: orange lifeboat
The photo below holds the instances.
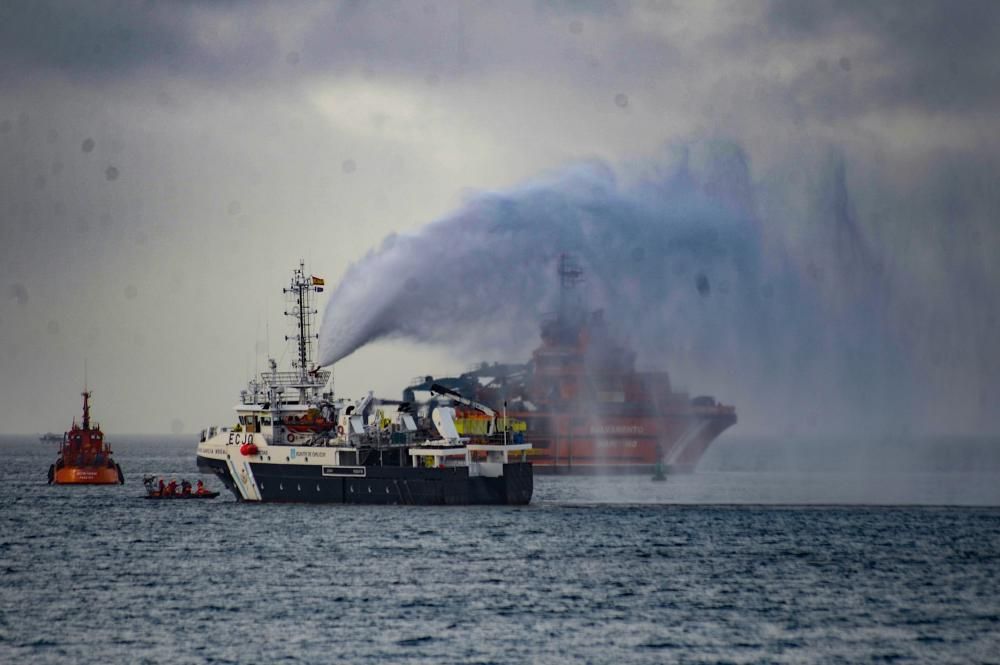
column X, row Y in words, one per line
column 309, row 422
column 84, row 455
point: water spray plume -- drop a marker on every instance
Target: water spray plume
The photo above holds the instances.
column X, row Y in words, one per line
column 686, row 271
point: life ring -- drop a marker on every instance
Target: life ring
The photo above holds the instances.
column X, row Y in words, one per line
column 340, row 430
column 291, row 438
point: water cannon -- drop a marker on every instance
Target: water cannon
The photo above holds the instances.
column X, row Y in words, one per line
column 441, row 390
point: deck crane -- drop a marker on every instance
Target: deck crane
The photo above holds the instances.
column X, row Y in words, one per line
column 438, row 389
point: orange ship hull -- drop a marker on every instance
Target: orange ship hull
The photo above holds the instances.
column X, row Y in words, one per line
column 567, row 442
column 83, row 475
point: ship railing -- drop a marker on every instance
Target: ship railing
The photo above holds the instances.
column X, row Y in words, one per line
column 377, row 438
column 717, row 408
column 294, row 379
column 213, row 430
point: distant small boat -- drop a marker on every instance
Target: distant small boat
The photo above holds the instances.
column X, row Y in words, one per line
column 51, row 437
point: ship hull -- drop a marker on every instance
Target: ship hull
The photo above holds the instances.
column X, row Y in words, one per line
column 372, row 485
column 77, row 475
column 578, row 443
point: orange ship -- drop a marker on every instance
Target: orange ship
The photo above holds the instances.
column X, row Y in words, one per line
column 584, row 406
column 84, row 455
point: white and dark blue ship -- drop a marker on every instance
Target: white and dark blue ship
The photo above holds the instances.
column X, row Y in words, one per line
column 295, row 442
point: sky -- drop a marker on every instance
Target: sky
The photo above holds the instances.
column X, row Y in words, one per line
column 164, row 166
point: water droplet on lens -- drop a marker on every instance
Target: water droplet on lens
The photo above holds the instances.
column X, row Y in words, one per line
column 701, row 283
column 19, row 293
column 111, row 173
column 88, row 145
column 621, row 100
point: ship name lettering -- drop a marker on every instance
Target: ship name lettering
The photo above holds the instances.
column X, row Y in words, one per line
column 619, row 443
column 616, row 429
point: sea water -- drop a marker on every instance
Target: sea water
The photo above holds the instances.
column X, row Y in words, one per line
column 753, row 558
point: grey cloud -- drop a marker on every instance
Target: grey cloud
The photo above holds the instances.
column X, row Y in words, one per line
column 935, row 56
column 449, row 39
column 97, row 38
column 110, row 40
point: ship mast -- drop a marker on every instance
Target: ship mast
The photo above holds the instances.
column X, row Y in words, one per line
column 86, row 409
column 86, row 398
column 570, row 275
column 300, row 292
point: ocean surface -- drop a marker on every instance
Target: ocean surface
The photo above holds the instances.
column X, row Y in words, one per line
column 772, row 552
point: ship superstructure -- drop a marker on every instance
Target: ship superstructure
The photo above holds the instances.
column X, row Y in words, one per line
column 585, row 407
column 295, row 441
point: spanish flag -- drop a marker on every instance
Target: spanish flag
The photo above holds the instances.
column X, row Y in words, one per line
column 318, row 281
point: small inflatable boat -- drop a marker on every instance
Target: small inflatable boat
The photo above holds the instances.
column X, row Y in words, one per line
column 192, row 495
column 153, row 491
